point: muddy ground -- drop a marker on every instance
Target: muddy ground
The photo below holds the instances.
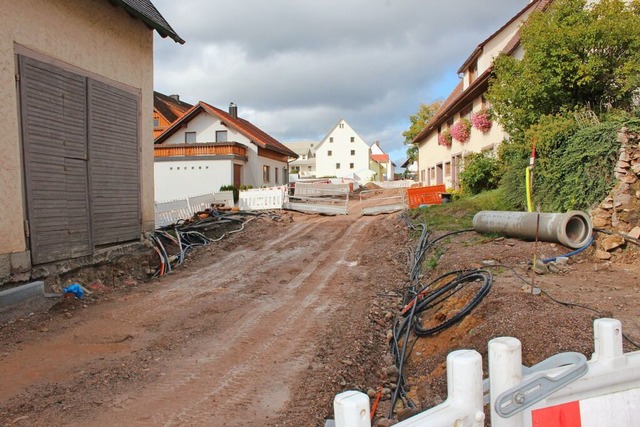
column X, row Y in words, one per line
column 265, row 327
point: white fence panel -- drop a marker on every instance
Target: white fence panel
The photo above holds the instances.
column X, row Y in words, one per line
column 262, row 198
column 406, row 183
column 463, row 407
column 605, row 395
column 564, row 390
column 169, row 212
column 321, row 189
column 204, row 201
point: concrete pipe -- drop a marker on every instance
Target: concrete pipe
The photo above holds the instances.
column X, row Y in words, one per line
column 572, row 229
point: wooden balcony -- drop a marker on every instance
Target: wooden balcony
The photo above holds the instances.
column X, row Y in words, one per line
column 200, row 149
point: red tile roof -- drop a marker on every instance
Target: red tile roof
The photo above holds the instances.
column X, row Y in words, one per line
column 380, row 158
column 248, row 129
column 169, row 107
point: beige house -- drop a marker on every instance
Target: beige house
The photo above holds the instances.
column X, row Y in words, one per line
column 440, row 158
column 76, row 128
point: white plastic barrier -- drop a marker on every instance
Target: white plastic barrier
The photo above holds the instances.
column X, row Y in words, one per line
column 169, row 212
column 463, row 407
column 174, row 210
column 392, row 202
column 204, row 201
column 262, row 198
column 565, row 390
column 405, row 183
column 321, row 189
column 607, row 394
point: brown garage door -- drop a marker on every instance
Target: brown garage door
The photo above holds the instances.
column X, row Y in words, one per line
column 80, row 144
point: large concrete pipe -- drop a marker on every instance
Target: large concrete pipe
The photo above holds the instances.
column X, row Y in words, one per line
column 572, row 229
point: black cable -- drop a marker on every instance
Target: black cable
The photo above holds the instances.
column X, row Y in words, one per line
column 613, row 233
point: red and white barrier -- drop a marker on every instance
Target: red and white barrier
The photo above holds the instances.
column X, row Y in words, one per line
column 565, row 390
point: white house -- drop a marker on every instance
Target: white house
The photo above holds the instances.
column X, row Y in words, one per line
column 208, row 148
column 440, row 159
column 305, row 164
column 385, row 166
column 76, row 96
column 342, row 153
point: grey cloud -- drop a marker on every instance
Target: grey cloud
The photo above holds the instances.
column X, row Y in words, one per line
column 296, row 67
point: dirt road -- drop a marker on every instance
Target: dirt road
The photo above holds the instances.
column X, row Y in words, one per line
column 219, row 342
column 265, row 327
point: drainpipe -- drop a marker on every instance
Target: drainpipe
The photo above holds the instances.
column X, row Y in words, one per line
column 572, row 229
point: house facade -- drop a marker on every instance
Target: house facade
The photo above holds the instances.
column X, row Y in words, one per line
column 76, row 102
column 381, row 163
column 305, row 165
column 440, row 155
column 208, row 148
column 342, row 153
column 166, row 110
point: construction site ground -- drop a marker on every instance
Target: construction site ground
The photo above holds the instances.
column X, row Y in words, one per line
column 265, row 327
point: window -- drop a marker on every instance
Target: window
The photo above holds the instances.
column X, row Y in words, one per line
column 329, row 153
column 330, row 139
column 353, row 152
column 265, row 173
column 447, row 169
column 353, row 139
column 422, row 175
column 473, row 69
column 156, row 122
column 466, row 111
column 221, row 136
column 337, row 165
column 189, row 137
column 351, row 165
column 308, row 167
column 275, row 172
column 341, row 125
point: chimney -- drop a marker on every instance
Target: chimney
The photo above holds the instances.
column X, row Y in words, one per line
column 233, row 110
column 175, row 96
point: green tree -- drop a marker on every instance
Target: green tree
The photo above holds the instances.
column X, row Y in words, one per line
column 418, row 122
column 576, row 56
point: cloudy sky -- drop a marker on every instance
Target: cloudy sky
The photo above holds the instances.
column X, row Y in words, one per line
column 295, row 67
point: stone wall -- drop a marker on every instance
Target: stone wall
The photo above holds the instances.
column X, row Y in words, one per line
column 620, row 211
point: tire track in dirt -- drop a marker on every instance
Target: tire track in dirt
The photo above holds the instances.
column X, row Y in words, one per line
column 227, row 373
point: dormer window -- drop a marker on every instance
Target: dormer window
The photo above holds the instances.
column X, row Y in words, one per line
column 473, row 71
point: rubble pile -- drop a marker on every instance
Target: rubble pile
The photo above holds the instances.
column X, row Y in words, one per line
column 620, row 212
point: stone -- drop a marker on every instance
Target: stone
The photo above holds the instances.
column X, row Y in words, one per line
column 636, row 168
column 629, row 178
column 624, row 157
column 634, row 233
column 540, row 267
column 600, row 222
column 623, row 137
column 610, row 243
column 603, row 255
column 406, row 413
column 372, row 393
column 385, row 422
column 608, row 205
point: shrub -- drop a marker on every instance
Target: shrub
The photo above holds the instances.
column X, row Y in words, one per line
column 480, row 173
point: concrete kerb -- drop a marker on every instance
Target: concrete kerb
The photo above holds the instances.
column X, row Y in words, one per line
column 21, row 293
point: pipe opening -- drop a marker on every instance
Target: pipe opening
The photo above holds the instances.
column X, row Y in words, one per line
column 576, row 230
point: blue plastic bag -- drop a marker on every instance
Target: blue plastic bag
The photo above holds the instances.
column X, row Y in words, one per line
column 75, row 289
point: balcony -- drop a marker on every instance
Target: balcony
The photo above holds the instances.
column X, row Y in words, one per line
column 201, row 149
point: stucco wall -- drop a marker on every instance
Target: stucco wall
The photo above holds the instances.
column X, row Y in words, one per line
column 341, row 152
column 93, row 36
column 180, row 179
column 205, row 127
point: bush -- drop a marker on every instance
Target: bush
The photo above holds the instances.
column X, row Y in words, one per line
column 480, row 173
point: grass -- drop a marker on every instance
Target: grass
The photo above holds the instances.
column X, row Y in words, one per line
column 459, row 214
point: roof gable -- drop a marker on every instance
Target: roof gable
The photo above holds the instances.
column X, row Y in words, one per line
column 169, row 107
column 248, row 129
column 147, row 13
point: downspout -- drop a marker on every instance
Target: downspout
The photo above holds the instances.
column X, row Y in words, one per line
column 572, row 229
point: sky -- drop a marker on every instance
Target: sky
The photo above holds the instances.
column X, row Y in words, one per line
column 296, row 67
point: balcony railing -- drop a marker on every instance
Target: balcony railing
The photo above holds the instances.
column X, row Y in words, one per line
column 200, row 149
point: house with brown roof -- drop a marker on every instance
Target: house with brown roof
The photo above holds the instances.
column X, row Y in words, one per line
column 381, row 163
column 460, row 126
column 208, row 148
column 166, row 110
column 76, row 102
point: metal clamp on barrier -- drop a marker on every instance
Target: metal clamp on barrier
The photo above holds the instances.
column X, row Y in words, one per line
column 541, row 385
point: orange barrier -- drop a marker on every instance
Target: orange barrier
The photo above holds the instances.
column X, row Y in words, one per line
column 425, row 195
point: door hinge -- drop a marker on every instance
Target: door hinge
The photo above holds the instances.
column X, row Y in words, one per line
column 17, row 77
column 26, row 227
